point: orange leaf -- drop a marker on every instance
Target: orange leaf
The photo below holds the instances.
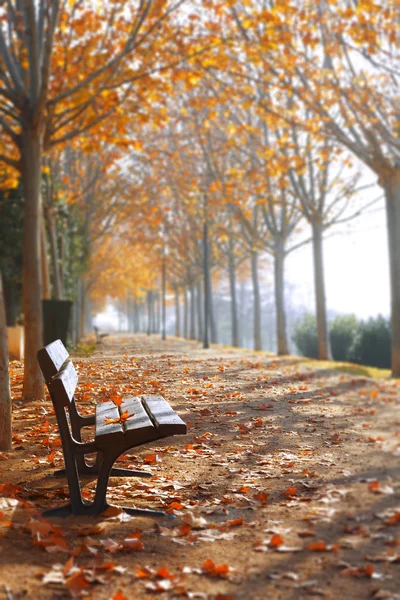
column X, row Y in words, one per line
column 164, row 573
column 143, row 573
column 117, row 399
column 119, row 596
column 369, row 570
column 261, row 497
column 373, row 486
column 152, row 458
column 276, row 541
column 235, row 522
column 291, row 491
column 317, row 547
column 211, row 568
column 76, row 583
column 132, row 543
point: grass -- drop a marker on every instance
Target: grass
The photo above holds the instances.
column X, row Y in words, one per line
column 351, row 369
column 84, row 349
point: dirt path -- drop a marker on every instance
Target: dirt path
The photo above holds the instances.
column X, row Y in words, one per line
column 286, row 486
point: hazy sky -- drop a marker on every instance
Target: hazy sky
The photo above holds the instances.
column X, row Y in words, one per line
column 356, row 266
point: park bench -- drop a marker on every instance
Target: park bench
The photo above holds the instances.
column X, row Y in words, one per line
column 99, row 336
column 146, row 418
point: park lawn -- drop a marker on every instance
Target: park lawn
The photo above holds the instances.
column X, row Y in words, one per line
column 286, row 486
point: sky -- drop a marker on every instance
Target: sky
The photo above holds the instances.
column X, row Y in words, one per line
column 356, row 266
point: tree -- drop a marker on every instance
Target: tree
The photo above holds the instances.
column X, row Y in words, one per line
column 339, row 61
column 5, row 393
column 48, row 99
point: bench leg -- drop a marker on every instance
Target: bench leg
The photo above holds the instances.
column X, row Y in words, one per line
column 104, row 465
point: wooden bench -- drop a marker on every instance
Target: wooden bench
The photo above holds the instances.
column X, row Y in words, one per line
column 149, row 418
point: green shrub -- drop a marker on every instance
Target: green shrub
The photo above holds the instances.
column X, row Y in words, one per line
column 373, row 343
column 363, row 342
column 305, row 336
column 343, row 334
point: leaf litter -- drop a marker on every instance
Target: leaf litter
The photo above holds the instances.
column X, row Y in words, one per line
column 287, row 475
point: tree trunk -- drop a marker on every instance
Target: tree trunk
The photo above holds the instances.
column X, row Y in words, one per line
column 135, row 316
column 199, row 302
column 185, row 314
column 31, row 155
column 10, row 303
column 44, row 262
column 213, row 325
column 55, row 263
column 279, row 266
column 192, row 313
column 83, row 312
column 164, row 299
column 5, row 394
column 232, row 287
column 149, row 312
column 324, row 351
column 206, row 287
column 177, row 313
column 392, row 196
column 256, row 301
column 156, row 327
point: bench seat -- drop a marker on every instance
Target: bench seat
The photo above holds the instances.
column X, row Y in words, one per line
column 139, row 419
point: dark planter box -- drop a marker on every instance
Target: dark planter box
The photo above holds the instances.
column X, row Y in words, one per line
column 56, row 317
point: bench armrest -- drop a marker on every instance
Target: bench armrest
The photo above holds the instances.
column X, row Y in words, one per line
column 85, row 421
column 84, row 447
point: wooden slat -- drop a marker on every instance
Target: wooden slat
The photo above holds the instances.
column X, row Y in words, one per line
column 163, row 416
column 139, row 427
column 106, row 431
column 51, row 358
column 63, row 386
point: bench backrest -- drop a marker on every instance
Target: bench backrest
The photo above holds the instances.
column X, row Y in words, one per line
column 61, row 380
column 51, row 358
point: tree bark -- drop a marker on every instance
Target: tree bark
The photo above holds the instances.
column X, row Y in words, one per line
column 185, row 314
column 324, row 351
column 31, row 154
column 83, row 311
column 192, row 313
column 206, row 286
column 164, row 300
column 256, row 301
column 177, row 313
column 44, row 261
column 279, row 267
column 232, row 287
column 213, row 325
column 5, row 393
column 392, row 197
column 149, row 312
column 55, row 258
column 156, row 313
column 199, row 302
column 10, row 303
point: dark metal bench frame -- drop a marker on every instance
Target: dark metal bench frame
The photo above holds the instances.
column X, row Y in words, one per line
column 61, row 380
